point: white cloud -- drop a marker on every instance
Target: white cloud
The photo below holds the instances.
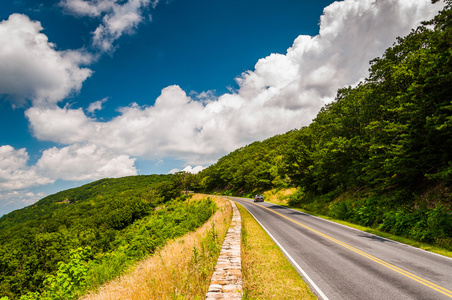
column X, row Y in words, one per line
column 14, row 172
column 17, row 199
column 174, row 171
column 11, row 159
column 74, row 163
column 283, row 92
column 23, row 197
column 351, row 34
column 119, row 17
column 97, row 105
column 175, row 126
column 194, row 170
column 31, row 68
column 88, row 8
column 188, row 169
column 84, row 162
column 61, row 125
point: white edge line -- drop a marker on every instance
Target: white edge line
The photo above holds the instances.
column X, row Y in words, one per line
column 292, row 260
column 352, row 228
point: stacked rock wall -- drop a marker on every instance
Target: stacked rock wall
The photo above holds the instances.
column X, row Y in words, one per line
column 226, row 281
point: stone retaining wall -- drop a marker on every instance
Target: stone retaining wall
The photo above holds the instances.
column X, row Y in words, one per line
column 226, row 281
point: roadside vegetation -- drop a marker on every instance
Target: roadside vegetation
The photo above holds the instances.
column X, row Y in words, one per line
column 378, row 156
column 76, row 240
column 179, row 270
column 267, row 274
column 282, row 197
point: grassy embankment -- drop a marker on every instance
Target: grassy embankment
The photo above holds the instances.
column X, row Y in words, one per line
column 281, row 198
column 267, row 274
column 180, row 270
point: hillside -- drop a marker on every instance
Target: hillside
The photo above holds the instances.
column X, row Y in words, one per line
column 82, row 237
column 378, row 155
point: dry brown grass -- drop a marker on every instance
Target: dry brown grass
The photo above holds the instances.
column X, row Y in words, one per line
column 266, row 272
column 181, row 270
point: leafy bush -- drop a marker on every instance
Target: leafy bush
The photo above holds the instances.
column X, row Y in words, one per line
column 425, row 225
column 68, row 280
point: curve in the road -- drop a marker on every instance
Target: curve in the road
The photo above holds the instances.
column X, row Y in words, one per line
column 367, row 267
column 371, row 257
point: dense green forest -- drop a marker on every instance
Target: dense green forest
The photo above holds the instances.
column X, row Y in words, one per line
column 80, row 238
column 379, row 155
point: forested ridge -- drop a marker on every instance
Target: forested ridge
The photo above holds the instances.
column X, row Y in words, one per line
column 80, row 238
column 378, row 155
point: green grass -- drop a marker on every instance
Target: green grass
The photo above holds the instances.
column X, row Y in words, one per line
column 267, row 274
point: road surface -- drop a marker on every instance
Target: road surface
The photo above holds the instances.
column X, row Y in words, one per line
column 340, row 262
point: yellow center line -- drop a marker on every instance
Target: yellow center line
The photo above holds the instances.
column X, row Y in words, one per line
column 371, row 257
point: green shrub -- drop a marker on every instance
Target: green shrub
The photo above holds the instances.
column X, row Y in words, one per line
column 340, row 210
column 68, row 280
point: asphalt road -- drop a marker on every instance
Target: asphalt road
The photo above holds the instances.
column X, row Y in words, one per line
column 340, row 262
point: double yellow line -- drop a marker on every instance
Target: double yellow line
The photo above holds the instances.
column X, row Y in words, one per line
column 371, row 257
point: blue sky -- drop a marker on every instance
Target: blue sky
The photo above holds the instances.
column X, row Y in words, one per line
column 108, row 88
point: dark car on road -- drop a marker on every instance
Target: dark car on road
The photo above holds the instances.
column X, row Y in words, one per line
column 258, row 198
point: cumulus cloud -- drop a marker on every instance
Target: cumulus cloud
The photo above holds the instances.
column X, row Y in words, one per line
column 74, row 163
column 31, row 68
column 188, row 169
column 61, row 125
column 283, row 92
column 14, row 172
column 175, row 125
column 194, row 170
column 119, row 17
column 351, row 34
column 84, row 162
